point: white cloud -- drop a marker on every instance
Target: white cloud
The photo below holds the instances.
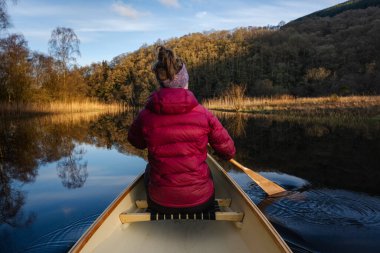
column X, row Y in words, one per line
column 42, row 34
column 264, row 14
column 127, row 10
column 232, row 14
column 114, row 25
column 39, row 11
column 201, row 14
column 170, row 3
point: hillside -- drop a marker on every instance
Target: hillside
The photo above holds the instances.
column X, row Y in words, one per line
column 342, row 7
column 316, row 56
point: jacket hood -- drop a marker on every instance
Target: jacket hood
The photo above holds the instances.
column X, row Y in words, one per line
column 171, row 101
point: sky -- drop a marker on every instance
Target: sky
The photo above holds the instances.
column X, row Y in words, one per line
column 108, row 28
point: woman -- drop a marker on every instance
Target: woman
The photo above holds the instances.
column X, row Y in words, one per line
column 176, row 129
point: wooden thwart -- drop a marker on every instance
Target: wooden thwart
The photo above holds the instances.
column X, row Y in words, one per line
column 142, row 215
column 221, row 202
column 219, row 216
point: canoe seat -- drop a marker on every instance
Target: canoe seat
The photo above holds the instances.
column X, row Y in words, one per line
column 218, row 212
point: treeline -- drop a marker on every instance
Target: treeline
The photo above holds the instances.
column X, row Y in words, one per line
column 342, row 7
column 29, row 76
column 314, row 57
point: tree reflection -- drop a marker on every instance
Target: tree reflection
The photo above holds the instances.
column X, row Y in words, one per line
column 15, row 164
column 72, row 170
column 26, row 143
column 235, row 123
column 324, row 154
column 11, row 201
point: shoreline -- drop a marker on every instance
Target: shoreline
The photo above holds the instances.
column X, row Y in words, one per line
column 286, row 105
column 58, row 107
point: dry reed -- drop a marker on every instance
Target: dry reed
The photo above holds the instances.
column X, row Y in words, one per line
column 288, row 103
column 62, row 107
column 71, row 118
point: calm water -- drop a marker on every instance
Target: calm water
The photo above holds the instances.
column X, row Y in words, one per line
column 58, row 173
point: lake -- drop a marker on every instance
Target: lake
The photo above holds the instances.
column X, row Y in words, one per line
column 58, row 173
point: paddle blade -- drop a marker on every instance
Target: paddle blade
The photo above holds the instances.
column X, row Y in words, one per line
column 268, row 186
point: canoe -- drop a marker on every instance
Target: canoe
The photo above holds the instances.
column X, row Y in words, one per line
column 253, row 233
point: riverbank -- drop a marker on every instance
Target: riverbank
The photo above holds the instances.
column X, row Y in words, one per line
column 329, row 106
column 83, row 106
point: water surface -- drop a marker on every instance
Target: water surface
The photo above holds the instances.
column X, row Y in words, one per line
column 58, row 173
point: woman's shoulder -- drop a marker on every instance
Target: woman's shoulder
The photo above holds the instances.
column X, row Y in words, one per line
column 207, row 114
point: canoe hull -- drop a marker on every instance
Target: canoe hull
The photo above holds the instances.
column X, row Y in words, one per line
column 254, row 234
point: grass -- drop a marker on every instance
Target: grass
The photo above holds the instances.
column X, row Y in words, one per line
column 363, row 105
column 352, row 111
column 61, row 107
column 71, row 118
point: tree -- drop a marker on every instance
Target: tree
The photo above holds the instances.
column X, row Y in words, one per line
column 281, row 24
column 4, row 18
column 45, row 77
column 64, row 46
column 15, row 79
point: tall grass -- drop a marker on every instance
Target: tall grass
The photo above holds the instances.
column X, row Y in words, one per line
column 62, row 107
column 70, row 118
column 286, row 104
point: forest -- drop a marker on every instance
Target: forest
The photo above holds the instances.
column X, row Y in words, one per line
column 317, row 55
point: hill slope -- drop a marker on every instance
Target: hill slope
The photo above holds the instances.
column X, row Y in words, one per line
column 342, row 7
column 317, row 55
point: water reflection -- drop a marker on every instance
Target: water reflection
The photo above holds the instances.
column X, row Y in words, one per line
column 329, row 170
column 235, row 123
column 72, row 170
column 326, row 155
column 17, row 162
column 29, row 144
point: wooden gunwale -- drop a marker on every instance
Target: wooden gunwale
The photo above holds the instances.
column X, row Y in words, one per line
column 278, row 239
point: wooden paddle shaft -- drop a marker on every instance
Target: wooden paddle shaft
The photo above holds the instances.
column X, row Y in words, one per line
column 268, row 186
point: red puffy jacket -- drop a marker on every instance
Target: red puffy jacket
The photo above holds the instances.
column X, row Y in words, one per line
column 176, row 129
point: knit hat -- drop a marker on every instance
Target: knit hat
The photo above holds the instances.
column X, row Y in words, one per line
column 180, row 80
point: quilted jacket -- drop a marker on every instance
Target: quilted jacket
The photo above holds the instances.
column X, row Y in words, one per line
column 176, row 129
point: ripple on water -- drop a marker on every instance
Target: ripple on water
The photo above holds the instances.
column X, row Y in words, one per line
column 61, row 239
column 328, row 207
column 319, row 220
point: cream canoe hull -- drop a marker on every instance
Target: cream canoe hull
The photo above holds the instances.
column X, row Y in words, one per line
column 253, row 234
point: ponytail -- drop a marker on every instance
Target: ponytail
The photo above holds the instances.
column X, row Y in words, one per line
column 167, row 65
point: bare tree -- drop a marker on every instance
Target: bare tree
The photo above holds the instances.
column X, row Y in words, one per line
column 64, row 46
column 14, row 69
column 72, row 171
column 4, row 18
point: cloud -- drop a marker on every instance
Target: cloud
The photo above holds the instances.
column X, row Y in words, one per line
column 42, row 34
column 170, row 3
column 127, row 10
column 28, row 10
column 263, row 14
column 201, row 14
column 114, row 25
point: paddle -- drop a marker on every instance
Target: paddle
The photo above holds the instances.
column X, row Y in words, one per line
column 268, row 186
